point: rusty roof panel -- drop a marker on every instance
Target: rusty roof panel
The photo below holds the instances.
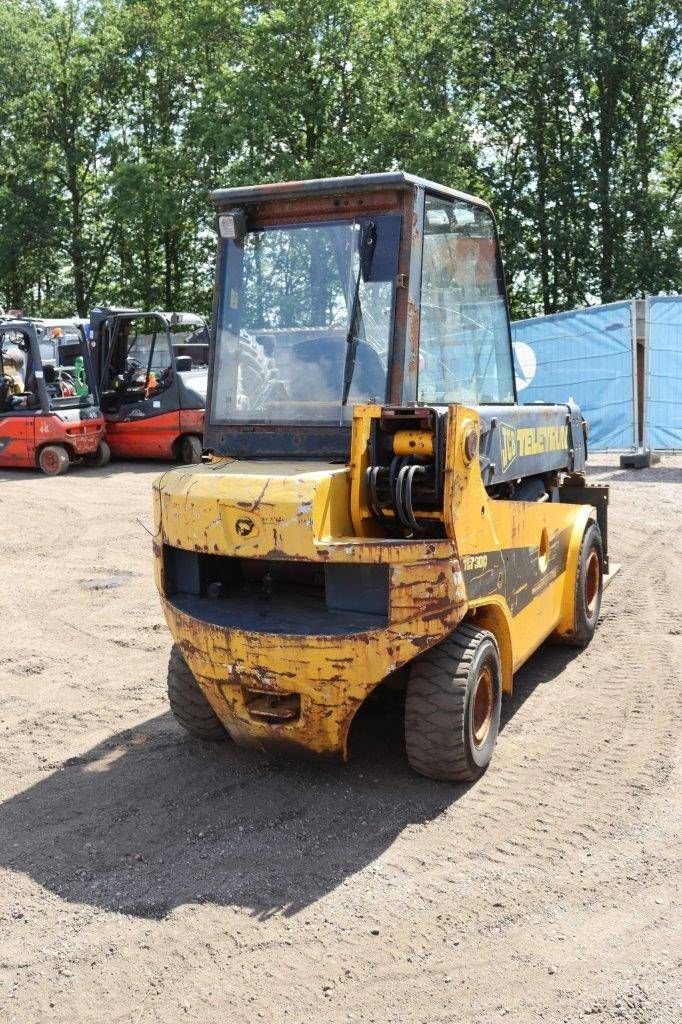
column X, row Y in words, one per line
column 334, row 186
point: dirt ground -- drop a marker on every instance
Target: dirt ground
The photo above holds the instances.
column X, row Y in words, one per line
column 147, row 877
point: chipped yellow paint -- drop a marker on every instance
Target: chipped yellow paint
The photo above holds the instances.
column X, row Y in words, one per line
column 478, row 524
column 298, row 512
column 332, row 674
column 413, row 442
column 254, row 510
column 318, row 512
column 364, row 524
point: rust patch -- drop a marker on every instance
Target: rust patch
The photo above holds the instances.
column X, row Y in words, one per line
column 413, row 324
column 422, row 642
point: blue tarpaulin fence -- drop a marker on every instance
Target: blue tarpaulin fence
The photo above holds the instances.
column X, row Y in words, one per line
column 586, row 355
column 663, row 368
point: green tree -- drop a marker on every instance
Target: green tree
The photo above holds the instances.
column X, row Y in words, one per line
column 28, row 196
column 82, row 100
column 564, row 114
column 158, row 192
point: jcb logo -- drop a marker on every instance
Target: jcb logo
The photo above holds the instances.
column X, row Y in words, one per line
column 507, row 445
column 474, row 562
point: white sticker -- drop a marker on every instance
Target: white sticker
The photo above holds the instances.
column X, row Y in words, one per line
column 39, row 374
column 156, row 405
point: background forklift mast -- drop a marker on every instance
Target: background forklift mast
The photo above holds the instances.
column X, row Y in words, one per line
column 152, row 372
column 376, row 499
column 48, row 414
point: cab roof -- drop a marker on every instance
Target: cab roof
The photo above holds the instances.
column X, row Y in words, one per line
column 355, row 183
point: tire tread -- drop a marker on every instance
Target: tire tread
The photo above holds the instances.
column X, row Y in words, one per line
column 188, row 704
column 435, row 707
column 582, row 633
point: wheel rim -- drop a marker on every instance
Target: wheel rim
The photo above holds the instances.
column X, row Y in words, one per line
column 482, row 704
column 592, row 582
column 50, row 462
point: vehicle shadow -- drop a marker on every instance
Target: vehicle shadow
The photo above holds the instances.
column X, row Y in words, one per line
column 658, row 473
column 151, row 819
column 142, row 467
column 543, row 667
column 139, row 467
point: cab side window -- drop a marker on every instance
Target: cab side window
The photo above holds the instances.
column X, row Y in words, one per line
column 465, row 351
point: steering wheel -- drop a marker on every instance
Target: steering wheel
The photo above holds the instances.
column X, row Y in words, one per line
column 127, row 379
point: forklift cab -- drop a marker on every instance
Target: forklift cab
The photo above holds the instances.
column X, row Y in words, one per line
column 29, row 385
column 152, row 372
column 48, row 414
column 383, row 288
column 143, row 362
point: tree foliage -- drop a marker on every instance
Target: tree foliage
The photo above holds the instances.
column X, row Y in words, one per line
column 117, row 117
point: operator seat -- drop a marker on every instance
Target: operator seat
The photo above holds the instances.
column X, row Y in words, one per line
column 326, row 357
column 51, row 381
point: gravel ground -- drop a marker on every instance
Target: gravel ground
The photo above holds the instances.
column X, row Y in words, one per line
column 148, row 877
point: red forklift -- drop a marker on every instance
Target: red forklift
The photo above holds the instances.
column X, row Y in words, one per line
column 49, row 417
column 152, row 371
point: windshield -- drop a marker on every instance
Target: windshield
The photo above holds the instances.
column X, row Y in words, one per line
column 148, row 336
column 464, row 346
column 285, row 321
column 146, row 344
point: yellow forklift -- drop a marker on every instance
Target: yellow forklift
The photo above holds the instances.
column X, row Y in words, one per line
column 376, row 505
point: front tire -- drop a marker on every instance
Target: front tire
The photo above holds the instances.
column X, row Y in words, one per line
column 53, row 460
column 189, row 450
column 452, row 708
column 190, row 707
column 99, row 458
column 589, row 583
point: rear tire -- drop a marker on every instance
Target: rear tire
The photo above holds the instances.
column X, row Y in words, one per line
column 100, row 458
column 189, row 450
column 53, row 460
column 452, row 709
column 589, row 582
column 190, row 707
